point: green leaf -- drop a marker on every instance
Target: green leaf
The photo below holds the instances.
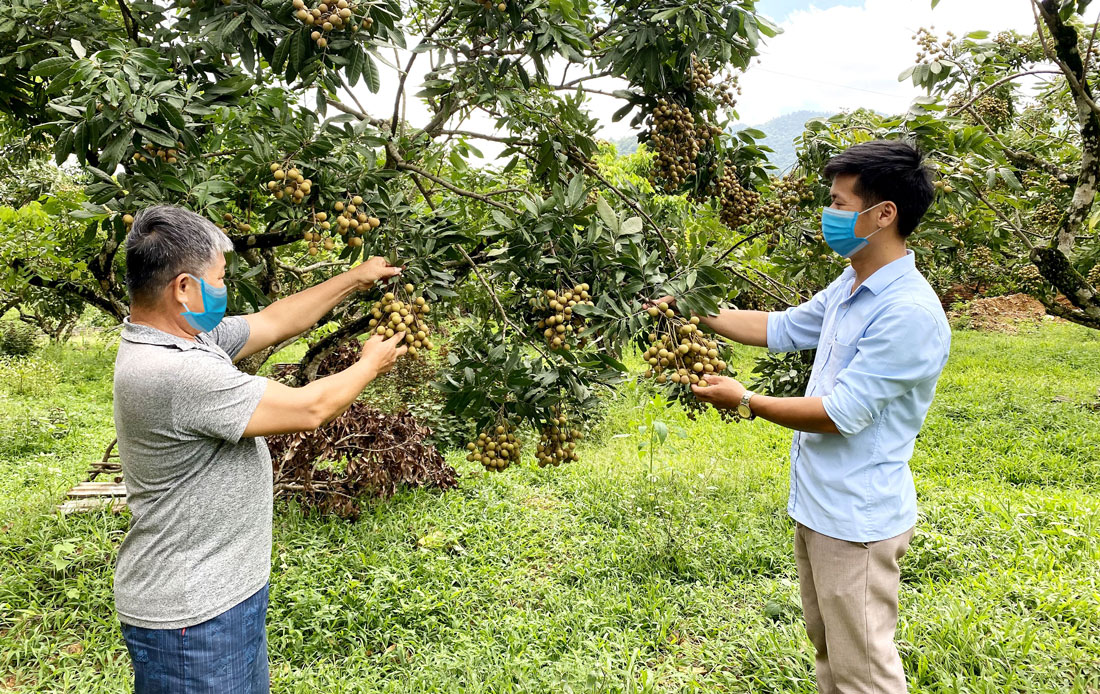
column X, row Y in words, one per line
column 661, row 429
column 50, row 66
column 157, row 137
column 370, row 74
column 171, row 114
column 668, row 14
column 355, row 67
column 607, row 214
column 632, row 225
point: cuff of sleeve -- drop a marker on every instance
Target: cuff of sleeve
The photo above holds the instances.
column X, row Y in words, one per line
column 256, row 388
column 777, row 342
column 848, row 414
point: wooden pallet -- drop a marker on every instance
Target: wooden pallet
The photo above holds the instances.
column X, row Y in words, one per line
column 91, row 495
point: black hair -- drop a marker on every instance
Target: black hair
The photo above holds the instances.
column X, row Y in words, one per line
column 891, row 170
column 165, row 242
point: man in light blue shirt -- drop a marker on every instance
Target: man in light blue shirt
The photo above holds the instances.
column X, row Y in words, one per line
column 882, row 340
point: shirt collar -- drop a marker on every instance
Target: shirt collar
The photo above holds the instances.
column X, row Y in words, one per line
column 146, row 334
column 887, row 274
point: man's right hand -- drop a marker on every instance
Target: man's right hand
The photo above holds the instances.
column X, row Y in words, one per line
column 670, row 300
column 381, row 353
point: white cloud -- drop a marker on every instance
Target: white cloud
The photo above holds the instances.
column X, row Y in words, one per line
column 847, row 57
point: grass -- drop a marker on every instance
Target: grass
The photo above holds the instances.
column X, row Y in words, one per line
column 597, row 576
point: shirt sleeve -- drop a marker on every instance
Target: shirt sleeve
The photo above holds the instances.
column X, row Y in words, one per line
column 214, row 399
column 799, row 327
column 231, row 334
column 901, row 348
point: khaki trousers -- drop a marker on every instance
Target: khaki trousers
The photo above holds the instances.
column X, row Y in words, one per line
column 850, row 601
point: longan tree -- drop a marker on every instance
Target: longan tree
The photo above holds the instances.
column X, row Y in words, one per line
column 256, row 115
column 1014, row 125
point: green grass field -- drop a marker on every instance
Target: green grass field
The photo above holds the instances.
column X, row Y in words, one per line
column 602, row 576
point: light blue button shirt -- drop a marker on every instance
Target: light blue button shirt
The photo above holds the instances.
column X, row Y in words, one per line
column 880, row 352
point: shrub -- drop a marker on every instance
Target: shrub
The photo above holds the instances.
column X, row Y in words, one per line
column 17, row 339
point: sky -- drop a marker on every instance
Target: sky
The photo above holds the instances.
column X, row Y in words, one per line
column 833, row 55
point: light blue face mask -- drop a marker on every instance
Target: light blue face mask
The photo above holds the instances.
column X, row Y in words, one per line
column 214, row 302
column 839, row 229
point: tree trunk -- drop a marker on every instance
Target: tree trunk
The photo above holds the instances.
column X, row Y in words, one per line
column 1054, row 262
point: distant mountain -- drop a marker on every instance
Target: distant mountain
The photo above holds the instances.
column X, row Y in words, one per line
column 626, row 145
column 781, row 133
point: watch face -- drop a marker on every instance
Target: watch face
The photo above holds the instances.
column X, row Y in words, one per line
column 744, row 411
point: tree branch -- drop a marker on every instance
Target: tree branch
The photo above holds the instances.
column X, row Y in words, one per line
column 443, row 19
column 405, row 166
column 267, row 240
column 491, row 138
column 359, row 113
column 1011, row 225
column 129, row 22
column 584, row 78
column 626, row 199
column 998, row 83
column 108, row 304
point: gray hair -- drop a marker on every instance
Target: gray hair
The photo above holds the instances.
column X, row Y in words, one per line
column 165, row 242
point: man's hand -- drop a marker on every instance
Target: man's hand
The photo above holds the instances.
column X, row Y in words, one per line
column 381, row 353
column 372, row 270
column 670, row 300
column 721, row 391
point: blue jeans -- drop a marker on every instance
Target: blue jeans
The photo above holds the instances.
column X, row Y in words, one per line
column 223, row 655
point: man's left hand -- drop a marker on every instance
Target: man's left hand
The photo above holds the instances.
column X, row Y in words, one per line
column 372, row 270
column 721, row 391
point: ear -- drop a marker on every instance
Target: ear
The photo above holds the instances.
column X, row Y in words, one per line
column 887, row 214
column 179, row 287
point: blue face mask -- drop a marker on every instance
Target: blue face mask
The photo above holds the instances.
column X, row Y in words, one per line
column 214, row 301
column 839, row 229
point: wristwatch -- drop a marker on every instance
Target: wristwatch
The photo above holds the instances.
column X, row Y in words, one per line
column 744, row 409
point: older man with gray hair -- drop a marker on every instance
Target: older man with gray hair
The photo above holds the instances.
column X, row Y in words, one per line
column 192, row 574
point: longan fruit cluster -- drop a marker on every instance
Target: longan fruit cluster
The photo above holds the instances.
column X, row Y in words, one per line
column 557, row 440
column 352, row 221
column 787, row 193
column 1030, row 280
column 330, row 16
column 678, row 351
column 317, row 239
column 943, row 186
column 289, row 182
column 562, row 323
column 701, row 75
column 677, row 138
column 402, row 312
column 737, row 204
column 229, row 221
column 995, row 111
column 929, row 47
column 1034, row 179
column 1018, row 49
column 490, row 4
column 1047, row 214
column 128, row 220
column 495, row 448
column 982, row 262
column 1094, row 276
column 168, row 156
column 958, row 224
